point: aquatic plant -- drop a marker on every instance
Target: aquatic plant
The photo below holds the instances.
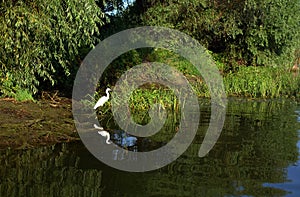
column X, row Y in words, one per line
column 264, row 82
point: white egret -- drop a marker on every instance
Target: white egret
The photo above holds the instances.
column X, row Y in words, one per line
column 103, row 133
column 103, row 99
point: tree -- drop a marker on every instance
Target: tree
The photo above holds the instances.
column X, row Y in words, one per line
column 247, row 32
column 41, row 40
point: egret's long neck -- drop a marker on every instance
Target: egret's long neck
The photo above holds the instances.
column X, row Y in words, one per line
column 107, row 93
column 108, row 138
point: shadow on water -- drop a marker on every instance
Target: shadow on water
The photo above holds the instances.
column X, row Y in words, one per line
column 47, row 171
column 257, row 154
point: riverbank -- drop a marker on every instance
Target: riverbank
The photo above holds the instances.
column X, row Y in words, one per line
column 31, row 124
column 49, row 120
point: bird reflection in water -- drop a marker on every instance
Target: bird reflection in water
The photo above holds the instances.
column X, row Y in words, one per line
column 127, row 143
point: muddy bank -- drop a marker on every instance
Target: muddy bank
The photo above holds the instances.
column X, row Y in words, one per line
column 31, row 124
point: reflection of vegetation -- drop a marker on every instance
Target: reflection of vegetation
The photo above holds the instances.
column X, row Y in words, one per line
column 47, row 171
column 141, row 100
column 256, row 146
column 253, row 149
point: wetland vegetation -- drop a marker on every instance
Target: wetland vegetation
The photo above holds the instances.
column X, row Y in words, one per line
column 255, row 48
column 254, row 44
column 257, row 154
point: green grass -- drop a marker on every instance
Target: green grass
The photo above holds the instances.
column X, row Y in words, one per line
column 23, row 95
column 262, row 82
column 142, row 99
column 242, row 81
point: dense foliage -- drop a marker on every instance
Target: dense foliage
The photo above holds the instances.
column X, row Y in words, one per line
column 247, row 32
column 238, row 33
column 41, row 41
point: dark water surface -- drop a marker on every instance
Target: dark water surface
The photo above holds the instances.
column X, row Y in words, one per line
column 257, row 154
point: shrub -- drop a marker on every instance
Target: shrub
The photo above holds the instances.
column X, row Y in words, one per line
column 247, row 32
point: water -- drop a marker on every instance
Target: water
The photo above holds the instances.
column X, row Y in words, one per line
column 257, row 154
